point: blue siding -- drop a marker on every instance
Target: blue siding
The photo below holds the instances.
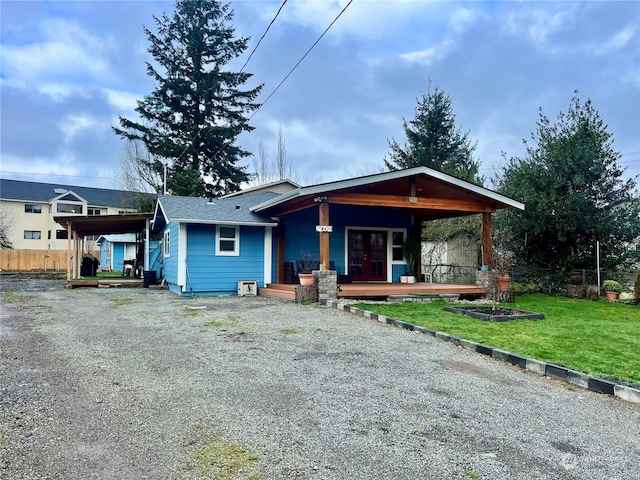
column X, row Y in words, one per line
column 118, row 256
column 301, row 236
column 104, row 245
column 155, row 257
column 170, row 263
column 208, row 273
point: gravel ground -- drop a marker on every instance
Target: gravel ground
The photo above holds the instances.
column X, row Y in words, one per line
column 143, row 384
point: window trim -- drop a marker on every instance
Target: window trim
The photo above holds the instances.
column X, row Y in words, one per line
column 34, row 207
column 236, row 239
column 393, row 246
column 166, row 243
column 39, row 232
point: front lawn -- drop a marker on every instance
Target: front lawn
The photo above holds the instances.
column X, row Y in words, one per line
column 599, row 338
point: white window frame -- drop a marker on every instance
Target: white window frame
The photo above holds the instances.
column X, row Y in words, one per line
column 166, row 244
column 31, row 235
column 236, row 239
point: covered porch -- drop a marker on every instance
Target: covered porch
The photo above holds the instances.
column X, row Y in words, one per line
column 382, row 290
column 80, row 227
column 363, row 216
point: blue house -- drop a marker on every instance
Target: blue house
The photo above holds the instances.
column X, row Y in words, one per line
column 115, row 249
column 355, row 227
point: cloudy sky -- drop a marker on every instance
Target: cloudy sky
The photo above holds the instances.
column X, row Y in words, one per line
column 68, row 69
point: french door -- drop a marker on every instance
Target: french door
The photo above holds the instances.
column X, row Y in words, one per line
column 367, row 255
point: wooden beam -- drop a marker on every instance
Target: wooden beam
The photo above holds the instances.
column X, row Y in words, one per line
column 280, row 250
column 324, row 236
column 408, row 202
column 69, row 257
column 487, row 247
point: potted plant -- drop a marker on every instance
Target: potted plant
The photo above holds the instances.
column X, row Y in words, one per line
column 612, row 289
column 412, row 253
column 305, row 266
column 503, row 260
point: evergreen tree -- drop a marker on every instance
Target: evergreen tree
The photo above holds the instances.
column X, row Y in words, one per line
column 574, row 194
column 433, row 140
column 197, row 109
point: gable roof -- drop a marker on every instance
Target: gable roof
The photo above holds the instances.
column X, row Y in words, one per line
column 45, row 192
column 118, row 238
column 428, row 184
column 279, row 187
column 231, row 211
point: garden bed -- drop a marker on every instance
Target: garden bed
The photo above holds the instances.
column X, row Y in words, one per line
column 497, row 314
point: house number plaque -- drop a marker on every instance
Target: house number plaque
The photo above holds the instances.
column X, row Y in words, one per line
column 324, row 228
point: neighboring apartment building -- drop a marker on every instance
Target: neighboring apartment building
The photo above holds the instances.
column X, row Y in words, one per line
column 32, row 206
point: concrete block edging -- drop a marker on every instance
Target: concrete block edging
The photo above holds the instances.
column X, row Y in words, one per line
column 557, row 372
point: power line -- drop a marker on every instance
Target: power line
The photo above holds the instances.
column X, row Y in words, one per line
column 300, row 61
column 263, row 35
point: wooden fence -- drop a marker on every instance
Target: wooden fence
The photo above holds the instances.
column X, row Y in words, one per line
column 26, row 260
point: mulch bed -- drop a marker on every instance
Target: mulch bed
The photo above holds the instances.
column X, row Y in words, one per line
column 497, row 314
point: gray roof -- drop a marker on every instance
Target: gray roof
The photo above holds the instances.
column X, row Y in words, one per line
column 233, row 210
column 44, row 193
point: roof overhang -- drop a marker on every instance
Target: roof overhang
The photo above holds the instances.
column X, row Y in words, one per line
column 105, row 224
column 426, row 192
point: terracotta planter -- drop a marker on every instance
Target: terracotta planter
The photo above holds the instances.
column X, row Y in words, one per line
column 307, row 279
column 576, row 278
column 612, row 296
column 503, row 283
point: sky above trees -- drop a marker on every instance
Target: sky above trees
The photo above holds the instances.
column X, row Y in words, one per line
column 68, row 69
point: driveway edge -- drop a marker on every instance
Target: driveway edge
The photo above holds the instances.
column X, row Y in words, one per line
column 557, row 372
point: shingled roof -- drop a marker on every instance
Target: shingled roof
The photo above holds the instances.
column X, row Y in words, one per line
column 232, row 210
column 44, row 192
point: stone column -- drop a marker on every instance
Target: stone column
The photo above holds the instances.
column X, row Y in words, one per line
column 327, row 283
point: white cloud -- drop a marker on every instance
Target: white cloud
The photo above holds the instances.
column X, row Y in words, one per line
column 617, row 41
column 73, row 124
column 64, row 52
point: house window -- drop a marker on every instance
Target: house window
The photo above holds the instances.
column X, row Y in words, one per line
column 166, row 244
column 396, row 246
column 69, row 208
column 32, row 235
column 93, row 211
column 61, row 235
column 31, row 208
column 228, row 240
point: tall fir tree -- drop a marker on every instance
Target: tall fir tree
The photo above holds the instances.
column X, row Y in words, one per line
column 197, row 110
column 574, row 193
column 434, row 141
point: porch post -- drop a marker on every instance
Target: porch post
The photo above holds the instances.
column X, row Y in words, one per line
column 486, row 240
column 417, row 235
column 324, row 236
column 280, row 255
column 69, row 256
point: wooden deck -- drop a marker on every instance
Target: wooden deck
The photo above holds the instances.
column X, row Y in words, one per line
column 107, row 283
column 370, row 290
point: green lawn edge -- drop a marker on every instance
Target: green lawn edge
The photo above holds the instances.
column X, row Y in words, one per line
column 598, row 338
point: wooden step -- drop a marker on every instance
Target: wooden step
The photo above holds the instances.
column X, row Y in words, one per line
column 288, row 292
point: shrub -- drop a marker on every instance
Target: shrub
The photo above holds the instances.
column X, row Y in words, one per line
column 611, row 286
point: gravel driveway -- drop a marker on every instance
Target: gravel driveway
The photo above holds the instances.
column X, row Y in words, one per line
column 143, row 384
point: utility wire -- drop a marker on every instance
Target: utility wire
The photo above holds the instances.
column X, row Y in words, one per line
column 290, row 72
column 300, row 61
column 263, row 35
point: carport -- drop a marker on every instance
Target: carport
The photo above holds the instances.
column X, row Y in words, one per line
column 79, row 227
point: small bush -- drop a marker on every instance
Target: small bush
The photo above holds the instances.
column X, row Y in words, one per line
column 611, row 286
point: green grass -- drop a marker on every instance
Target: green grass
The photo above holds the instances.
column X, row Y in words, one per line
column 215, row 457
column 289, row 331
column 599, row 338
